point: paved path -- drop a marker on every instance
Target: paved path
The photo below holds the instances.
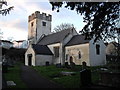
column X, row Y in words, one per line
column 33, row 80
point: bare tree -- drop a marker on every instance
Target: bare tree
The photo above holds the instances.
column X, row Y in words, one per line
column 63, row 26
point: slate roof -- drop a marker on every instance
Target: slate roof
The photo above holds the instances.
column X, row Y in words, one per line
column 41, row 49
column 55, row 37
column 77, row 39
column 6, row 41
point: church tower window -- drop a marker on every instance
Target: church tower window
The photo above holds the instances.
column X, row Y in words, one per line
column 79, row 55
column 44, row 23
column 32, row 24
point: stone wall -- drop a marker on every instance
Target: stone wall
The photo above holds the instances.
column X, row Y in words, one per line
column 42, row 59
column 74, row 52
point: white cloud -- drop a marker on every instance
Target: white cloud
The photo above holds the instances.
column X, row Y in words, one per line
column 15, row 24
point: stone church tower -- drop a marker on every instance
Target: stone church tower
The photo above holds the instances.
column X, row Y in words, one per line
column 38, row 25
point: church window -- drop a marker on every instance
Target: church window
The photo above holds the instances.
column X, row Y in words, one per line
column 97, row 49
column 32, row 24
column 79, row 55
column 56, row 51
column 44, row 23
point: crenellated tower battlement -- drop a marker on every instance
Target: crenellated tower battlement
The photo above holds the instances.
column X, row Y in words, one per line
column 42, row 16
column 38, row 25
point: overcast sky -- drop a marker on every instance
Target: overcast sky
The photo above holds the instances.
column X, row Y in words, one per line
column 16, row 23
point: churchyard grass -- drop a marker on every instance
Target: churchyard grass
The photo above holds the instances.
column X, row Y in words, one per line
column 70, row 81
column 13, row 74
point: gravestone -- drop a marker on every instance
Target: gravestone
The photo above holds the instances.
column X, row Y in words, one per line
column 4, row 68
column 72, row 65
column 66, row 65
column 84, row 65
column 10, row 83
column 58, row 65
column 85, row 76
column 47, row 63
column 67, row 73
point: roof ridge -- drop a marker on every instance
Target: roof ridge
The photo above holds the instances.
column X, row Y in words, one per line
column 58, row 32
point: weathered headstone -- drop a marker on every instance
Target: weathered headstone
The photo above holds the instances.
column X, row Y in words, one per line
column 72, row 65
column 4, row 68
column 10, row 83
column 58, row 65
column 47, row 63
column 84, row 65
column 66, row 65
column 67, row 73
column 85, row 76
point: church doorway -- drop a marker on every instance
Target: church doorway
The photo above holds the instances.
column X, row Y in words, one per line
column 29, row 59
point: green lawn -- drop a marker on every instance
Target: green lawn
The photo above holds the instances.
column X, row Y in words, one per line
column 67, row 81
column 13, row 74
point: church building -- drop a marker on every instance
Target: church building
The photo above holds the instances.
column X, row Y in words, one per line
column 67, row 45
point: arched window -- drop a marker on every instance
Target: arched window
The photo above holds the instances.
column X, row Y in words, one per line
column 32, row 24
column 97, row 49
column 79, row 55
column 43, row 23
